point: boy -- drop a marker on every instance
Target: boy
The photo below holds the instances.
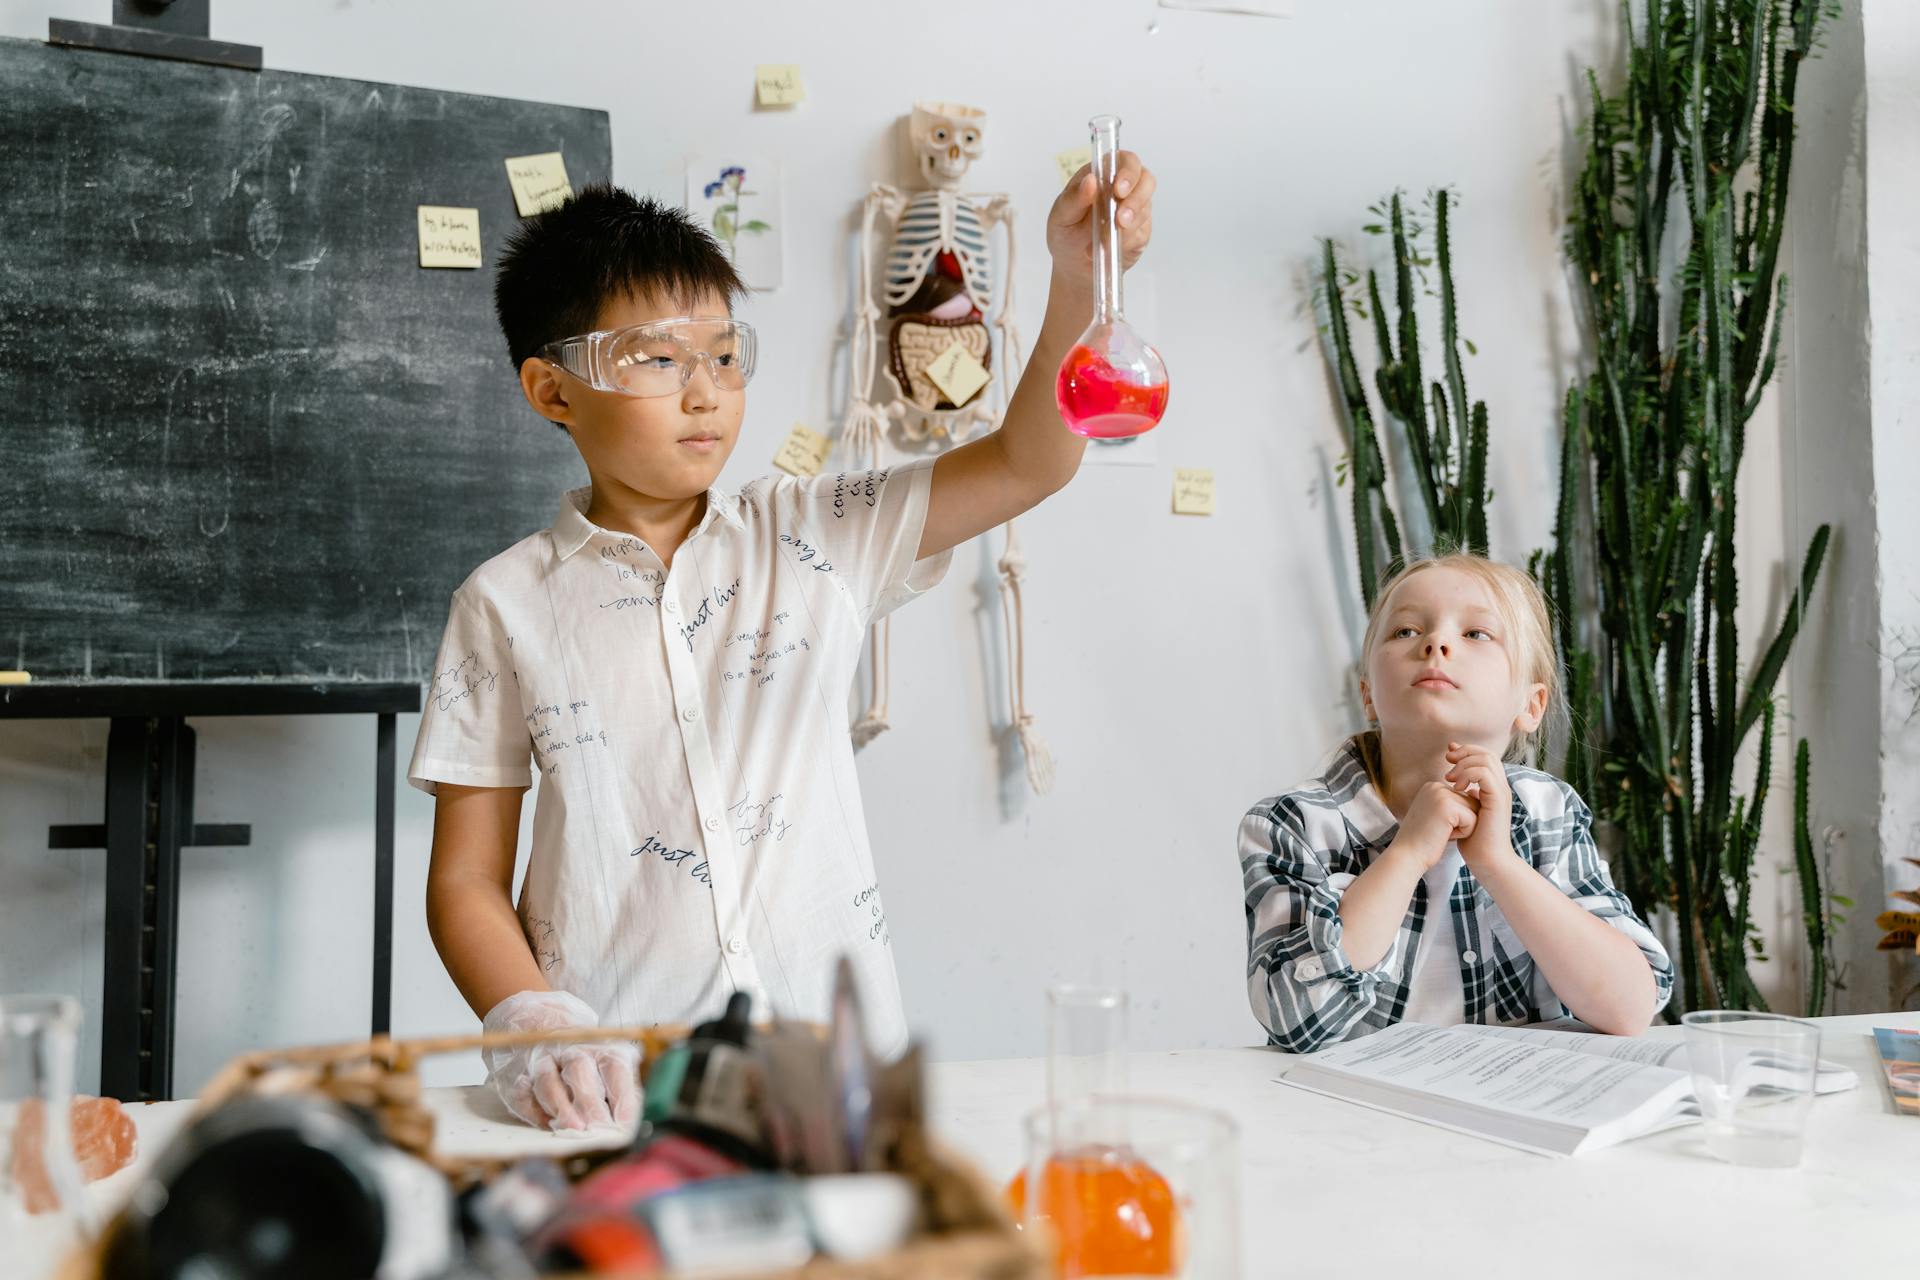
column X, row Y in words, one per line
column 675, row 660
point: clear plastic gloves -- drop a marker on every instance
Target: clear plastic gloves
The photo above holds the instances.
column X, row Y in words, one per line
column 561, row 1086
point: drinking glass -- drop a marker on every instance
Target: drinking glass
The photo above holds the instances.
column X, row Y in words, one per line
column 42, row 1200
column 1754, row 1075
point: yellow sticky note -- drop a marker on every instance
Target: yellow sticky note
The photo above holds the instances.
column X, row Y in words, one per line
column 449, row 237
column 778, row 86
column 539, row 182
column 1070, row 162
column 804, row 452
column 1192, row 491
column 957, row 374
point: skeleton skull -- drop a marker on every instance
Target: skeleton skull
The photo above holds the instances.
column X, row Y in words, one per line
column 946, row 139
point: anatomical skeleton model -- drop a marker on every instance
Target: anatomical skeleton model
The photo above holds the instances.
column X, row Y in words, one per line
column 936, row 290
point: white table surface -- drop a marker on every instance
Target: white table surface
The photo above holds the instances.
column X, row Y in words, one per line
column 1331, row 1188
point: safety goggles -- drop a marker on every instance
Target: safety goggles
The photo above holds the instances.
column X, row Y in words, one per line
column 658, row 359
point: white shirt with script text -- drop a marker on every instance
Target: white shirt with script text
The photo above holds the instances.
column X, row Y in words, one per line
column 698, row 828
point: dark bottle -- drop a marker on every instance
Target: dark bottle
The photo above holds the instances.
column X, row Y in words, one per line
column 709, row 1089
column 283, row 1188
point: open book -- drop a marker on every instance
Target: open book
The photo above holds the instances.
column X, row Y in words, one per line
column 1556, row 1092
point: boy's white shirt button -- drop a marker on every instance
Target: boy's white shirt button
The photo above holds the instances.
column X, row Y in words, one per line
column 735, row 945
column 713, row 824
column 690, row 714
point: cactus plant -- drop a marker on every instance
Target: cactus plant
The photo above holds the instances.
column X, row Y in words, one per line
column 1675, row 236
column 1689, row 161
column 1445, row 436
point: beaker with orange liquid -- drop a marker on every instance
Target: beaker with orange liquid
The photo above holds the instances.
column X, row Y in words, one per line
column 1126, row 1186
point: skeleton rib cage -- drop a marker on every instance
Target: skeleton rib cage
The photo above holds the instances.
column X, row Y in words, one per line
column 932, row 223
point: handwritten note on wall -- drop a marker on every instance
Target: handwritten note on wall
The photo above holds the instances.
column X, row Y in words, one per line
column 804, row 452
column 778, row 85
column 1192, row 491
column 539, row 182
column 957, row 374
column 1070, row 160
column 449, row 237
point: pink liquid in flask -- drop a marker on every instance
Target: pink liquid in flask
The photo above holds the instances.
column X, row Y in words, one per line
column 1104, row 403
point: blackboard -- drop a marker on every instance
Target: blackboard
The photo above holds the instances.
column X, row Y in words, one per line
column 245, row 434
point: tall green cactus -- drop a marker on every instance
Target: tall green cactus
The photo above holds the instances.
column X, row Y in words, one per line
column 1689, row 160
column 1445, row 436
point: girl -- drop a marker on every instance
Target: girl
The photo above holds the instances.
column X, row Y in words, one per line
column 1423, row 879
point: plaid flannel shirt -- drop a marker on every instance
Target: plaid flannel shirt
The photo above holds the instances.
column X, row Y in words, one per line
column 1299, row 852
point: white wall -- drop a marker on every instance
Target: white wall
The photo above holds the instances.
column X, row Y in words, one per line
column 1852, row 389
column 1892, row 93
column 1835, row 681
column 1181, row 668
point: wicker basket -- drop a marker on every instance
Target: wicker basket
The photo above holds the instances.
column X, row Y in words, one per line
column 968, row 1234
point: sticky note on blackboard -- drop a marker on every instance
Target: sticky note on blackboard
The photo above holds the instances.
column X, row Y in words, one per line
column 778, row 85
column 449, row 237
column 539, row 182
column 1070, row 161
column 1192, row 491
column 804, row 452
column 957, row 374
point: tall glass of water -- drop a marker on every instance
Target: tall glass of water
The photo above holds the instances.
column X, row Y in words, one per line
column 1754, row 1075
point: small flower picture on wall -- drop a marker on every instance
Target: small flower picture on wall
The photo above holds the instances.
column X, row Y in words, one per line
column 740, row 203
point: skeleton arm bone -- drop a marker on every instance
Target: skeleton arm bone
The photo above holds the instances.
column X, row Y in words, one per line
column 861, row 432
column 997, row 210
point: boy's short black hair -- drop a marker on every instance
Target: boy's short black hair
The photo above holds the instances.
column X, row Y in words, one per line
column 564, row 265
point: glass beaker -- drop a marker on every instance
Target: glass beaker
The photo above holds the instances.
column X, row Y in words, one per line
column 42, row 1199
column 1112, row 384
column 1122, row 1210
column 1754, row 1075
column 1135, row 1187
column 1086, row 1042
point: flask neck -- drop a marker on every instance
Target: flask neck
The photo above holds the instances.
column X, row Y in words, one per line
column 1109, row 302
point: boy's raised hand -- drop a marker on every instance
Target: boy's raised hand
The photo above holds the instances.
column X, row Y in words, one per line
column 1070, row 221
column 1479, row 771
